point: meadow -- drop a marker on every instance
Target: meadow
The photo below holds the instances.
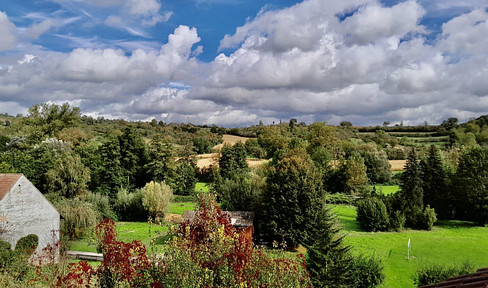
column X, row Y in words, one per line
column 449, row 243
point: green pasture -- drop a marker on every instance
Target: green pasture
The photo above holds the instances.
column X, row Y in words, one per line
column 126, row 232
column 386, row 189
column 449, row 243
column 201, row 186
column 181, row 207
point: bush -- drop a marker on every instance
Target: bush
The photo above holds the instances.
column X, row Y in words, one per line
column 397, row 221
column 435, row 273
column 372, row 214
column 79, row 216
column 155, row 198
column 339, row 198
column 367, row 272
column 102, row 204
column 240, row 192
column 427, row 218
column 129, row 206
column 27, row 245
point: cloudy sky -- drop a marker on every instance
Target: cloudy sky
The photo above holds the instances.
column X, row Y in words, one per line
column 236, row 62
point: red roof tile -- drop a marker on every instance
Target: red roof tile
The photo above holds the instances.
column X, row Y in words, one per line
column 6, row 183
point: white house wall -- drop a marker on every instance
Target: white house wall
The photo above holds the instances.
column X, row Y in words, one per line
column 28, row 212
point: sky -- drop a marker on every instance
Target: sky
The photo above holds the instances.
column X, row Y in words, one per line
column 238, row 62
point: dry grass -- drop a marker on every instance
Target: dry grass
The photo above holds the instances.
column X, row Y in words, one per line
column 397, row 165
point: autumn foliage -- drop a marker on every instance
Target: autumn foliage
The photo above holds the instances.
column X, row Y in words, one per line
column 206, row 251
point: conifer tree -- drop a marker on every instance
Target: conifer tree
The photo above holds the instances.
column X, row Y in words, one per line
column 434, row 185
column 329, row 261
column 412, row 193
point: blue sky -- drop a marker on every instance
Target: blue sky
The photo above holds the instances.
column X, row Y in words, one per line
column 236, row 62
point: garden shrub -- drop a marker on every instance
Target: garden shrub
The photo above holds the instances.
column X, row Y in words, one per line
column 129, row 205
column 155, row 198
column 427, row 218
column 434, row 273
column 27, row 245
column 339, row 198
column 101, row 203
column 397, row 221
column 372, row 214
column 367, row 272
column 79, row 217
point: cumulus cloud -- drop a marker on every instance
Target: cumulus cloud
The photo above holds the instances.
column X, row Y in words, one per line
column 318, row 60
column 7, row 33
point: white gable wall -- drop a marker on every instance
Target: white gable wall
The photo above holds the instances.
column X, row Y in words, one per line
column 29, row 212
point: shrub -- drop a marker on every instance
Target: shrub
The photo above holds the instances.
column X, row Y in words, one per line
column 155, row 198
column 129, row 206
column 367, row 272
column 427, row 218
column 79, row 216
column 397, row 221
column 102, row 204
column 240, row 192
column 27, row 245
column 435, row 273
column 372, row 214
column 339, row 198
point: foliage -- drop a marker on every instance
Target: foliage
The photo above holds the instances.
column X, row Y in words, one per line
column 68, row 177
column 13, row 266
column 377, row 165
column 273, row 139
column 293, row 198
column 161, row 165
column 79, row 216
column 241, row 192
column 208, row 252
column 184, row 180
column 27, row 244
column 471, row 185
column 254, row 150
column 328, row 259
column 357, row 179
column 435, row 273
column 232, row 159
column 367, row 272
column 102, row 204
column 47, row 120
column 133, row 157
column 372, row 214
column 128, row 205
column 155, row 198
column 339, row 198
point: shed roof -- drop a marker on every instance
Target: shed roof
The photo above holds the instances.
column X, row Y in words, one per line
column 7, row 181
column 238, row 218
column 475, row 280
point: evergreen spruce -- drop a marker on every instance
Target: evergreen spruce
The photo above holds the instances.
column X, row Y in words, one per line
column 436, row 193
column 412, row 193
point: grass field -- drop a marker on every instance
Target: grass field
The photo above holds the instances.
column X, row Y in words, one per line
column 386, row 189
column 127, row 231
column 180, row 207
column 201, row 186
column 449, row 243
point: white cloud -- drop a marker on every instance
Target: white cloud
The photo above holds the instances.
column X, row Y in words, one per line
column 7, row 33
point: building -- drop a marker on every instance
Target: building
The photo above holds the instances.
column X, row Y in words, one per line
column 243, row 221
column 25, row 211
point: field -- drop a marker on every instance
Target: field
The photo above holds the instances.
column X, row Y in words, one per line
column 449, row 243
column 386, row 189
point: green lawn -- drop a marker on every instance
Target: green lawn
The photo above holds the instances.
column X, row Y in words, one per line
column 386, row 189
column 181, row 207
column 201, row 186
column 127, row 231
column 449, row 243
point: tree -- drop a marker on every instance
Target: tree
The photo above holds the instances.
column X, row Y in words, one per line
column 184, row 179
column 162, row 165
column 232, row 159
column 47, row 119
column 293, row 198
column 436, row 192
column 68, row 177
column 345, row 124
column 155, row 198
column 357, row 180
column 241, row 192
column 328, row 259
column 133, row 157
column 471, row 185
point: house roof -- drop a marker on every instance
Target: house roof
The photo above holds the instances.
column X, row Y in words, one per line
column 475, row 280
column 7, row 181
column 238, row 218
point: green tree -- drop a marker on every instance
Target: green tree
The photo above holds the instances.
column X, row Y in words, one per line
column 241, row 192
column 68, row 177
column 357, row 179
column 232, row 159
column 46, row 120
column 328, row 261
column 184, row 180
column 162, row 165
column 293, row 198
column 110, row 174
column 436, row 192
column 133, row 157
column 471, row 185
column 155, row 198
